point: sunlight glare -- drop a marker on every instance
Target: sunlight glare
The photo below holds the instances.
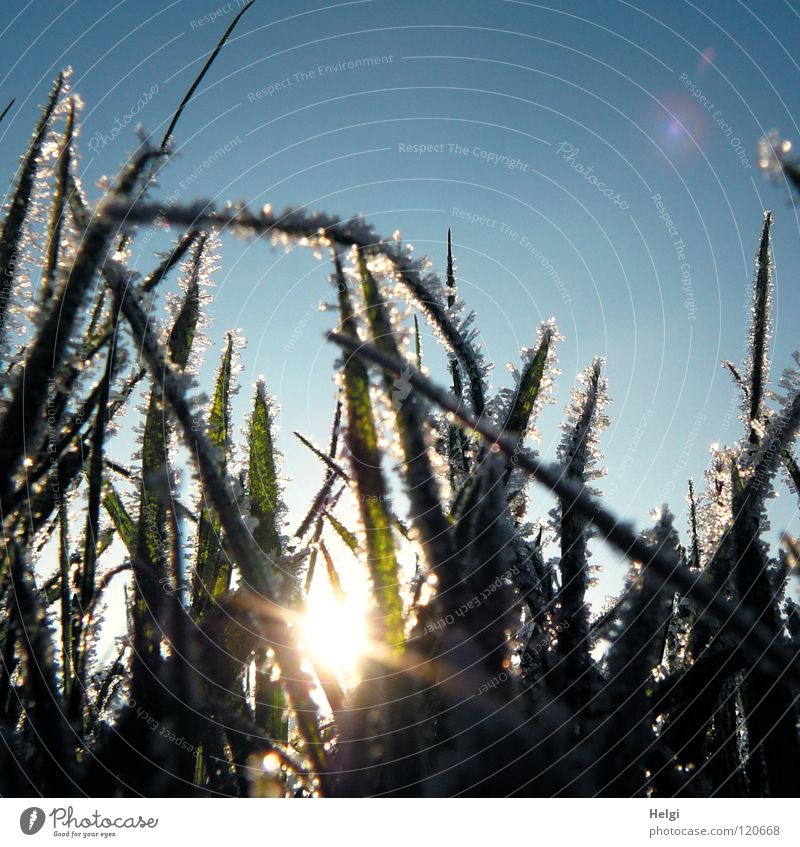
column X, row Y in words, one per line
column 334, row 632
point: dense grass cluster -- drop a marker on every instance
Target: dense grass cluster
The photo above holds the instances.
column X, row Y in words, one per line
column 486, row 674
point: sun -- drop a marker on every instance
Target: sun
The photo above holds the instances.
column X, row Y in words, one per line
column 334, row 632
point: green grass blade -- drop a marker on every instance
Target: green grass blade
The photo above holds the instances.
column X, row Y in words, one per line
column 528, row 391
column 212, row 572
column 120, row 517
column 343, row 532
column 263, row 477
column 365, row 454
column 422, row 486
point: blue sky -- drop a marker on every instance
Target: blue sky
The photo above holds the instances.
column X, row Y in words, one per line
column 612, row 115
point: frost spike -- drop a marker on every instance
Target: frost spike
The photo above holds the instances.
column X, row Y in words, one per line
column 758, row 370
column 575, row 453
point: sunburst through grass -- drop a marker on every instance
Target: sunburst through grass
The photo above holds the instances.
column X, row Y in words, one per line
column 333, row 631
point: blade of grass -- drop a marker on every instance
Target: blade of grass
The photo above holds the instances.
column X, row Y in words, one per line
column 11, row 234
column 365, row 455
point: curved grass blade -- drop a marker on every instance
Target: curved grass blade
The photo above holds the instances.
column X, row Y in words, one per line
column 6, row 110
column 209, row 62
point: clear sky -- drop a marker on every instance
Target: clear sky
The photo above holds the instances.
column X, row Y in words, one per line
column 550, row 134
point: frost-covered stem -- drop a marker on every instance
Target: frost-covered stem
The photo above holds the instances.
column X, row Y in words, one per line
column 170, row 260
column 57, row 213
column 695, row 560
column 572, row 614
column 91, row 535
column 760, row 330
column 456, row 439
column 11, row 235
column 322, row 229
column 253, row 564
column 756, row 640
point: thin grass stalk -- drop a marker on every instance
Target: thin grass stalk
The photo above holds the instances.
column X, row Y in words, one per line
column 67, row 667
column 87, row 587
column 6, row 110
column 693, row 533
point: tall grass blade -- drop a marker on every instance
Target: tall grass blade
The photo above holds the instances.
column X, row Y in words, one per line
column 14, row 222
column 365, row 455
